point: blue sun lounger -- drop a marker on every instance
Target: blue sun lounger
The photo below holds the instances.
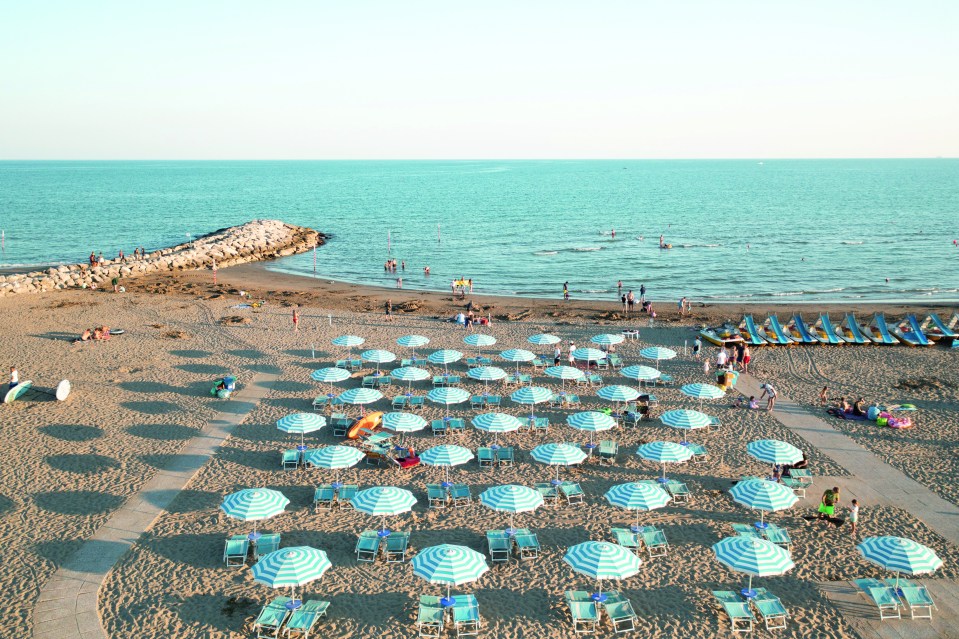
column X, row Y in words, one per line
column 826, row 332
column 749, row 331
column 800, row 331
column 853, row 331
column 774, row 332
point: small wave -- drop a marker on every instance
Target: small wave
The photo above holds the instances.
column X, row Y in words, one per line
column 595, row 290
column 545, row 252
column 851, row 242
column 788, row 293
column 693, row 245
column 589, row 248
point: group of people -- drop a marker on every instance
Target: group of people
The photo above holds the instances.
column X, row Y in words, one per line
column 139, row 253
column 390, row 265
column 98, row 333
column 739, row 358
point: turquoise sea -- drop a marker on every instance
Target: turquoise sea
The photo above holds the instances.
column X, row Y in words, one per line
column 776, row 230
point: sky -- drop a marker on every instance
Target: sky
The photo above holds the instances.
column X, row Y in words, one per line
column 513, row 79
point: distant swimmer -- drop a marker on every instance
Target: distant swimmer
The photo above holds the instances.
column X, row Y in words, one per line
column 612, row 232
column 887, row 280
column 747, row 246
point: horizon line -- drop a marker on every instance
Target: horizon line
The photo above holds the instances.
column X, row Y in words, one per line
column 488, row 159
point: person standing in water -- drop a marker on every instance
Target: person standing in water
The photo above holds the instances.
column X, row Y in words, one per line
column 642, row 292
column 612, row 232
column 619, row 288
column 566, row 291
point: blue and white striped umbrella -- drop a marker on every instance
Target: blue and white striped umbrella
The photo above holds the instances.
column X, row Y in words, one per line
column 294, row 566
column 403, row 422
column 330, row 375
column 479, row 339
column 446, row 456
column 410, row 374
column 637, row 496
column 531, row 395
column 487, row 373
column 607, row 339
column 618, row 393
column 640, row 373
column 449, row 565
column 348, row 341
column 702, row 391
column 334, row 457
column 254, row 504
column 765, row 496
column 664, row 453
column 589, row 354
column 773, row 451
column 657, row 353
column 685, row 420
column 445, row 356
column 496, row 423
column 753, row 556
column 384, row 501
column 602, row 560
column 517, row 355
column 447, row 396
column 564, row 372
column 543, row 339
column 360, row 396
column 301, row 423
column 591, row 422
column 558, row 455
column 900, row 555
column 511, row 499
column 412, row 341
column 378, row 357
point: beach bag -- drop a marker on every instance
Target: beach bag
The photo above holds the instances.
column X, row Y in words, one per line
column 882, row 421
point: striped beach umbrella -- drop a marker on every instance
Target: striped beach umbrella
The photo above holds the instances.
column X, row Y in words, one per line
column 637, row 496
column 543, row 339
column 291, row 567
column 664, row 453
column 446, row 456
column 410, row 374
column 685, row 420
column 412, row 342
column 588, row 355
column 496, row 423
column 558, row 455
column 616, row 393
column 449, row 565
column 334, row 458
column 765, row 496
column 531, row 395
column 602, row 560
column 591, row 422
column 657, row 353
column 378, row 356
column 564, row 373
column 479, row 340
column 754, row 557
column 254, row 504
column 511, row 499
column 399, row 422
column 447, row 396
column 773, row 451
column 348, row 341
column 640, row 373
column 383, row 502
column 702, row 391
column 607, row 339
column 445, row 357
column 360, row 397
column 900, row 555
column 487, row 374
column 517, row 355
column 330, row 376
column 301, row 423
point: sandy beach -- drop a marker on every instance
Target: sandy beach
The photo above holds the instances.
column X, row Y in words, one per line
column 139, row 396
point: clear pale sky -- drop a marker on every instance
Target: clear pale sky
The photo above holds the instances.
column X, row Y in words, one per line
column 357, row 79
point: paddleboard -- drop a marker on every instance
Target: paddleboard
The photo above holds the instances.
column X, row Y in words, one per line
column 63, row 390
column 17, row 391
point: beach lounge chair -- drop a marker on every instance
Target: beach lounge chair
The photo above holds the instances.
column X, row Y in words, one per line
column 399, row 402
column 700, row 454
column 466, row 617
column 626, row 538
column 320, row 402
column 342, row 363
column 370, row 381
column 504, row 456
column 345, row 495
column 290, row 460
column 439, row 427
column 457, row 424
column 548, row 491
column 323, row 497
column 268, row 623
column 678, row 491
column 573, row 400
column 615, row 360
column 714, row 424
column 396, row 546
column 557, row 400
column 538, row 362
column 302, row 620
column 430, row 617
column 916, row 595
column 485, row 457
column 235, row 550
column 801, row 474
column 665, row 380
column 340, row 424
column 266, row 544
column 607, row 451
column 477, row 401
column 777, row 535
column 884, row 596
column 771, row 609
column 500, row 546
column 797, row 485
column 541, row 424
column 585, row 615
column 740, row 616
column 527, row 543
column 436, row 495
column 654, row 540
column 620, row 612
column 415, row 402
column 367, row 546
column 376, row 439
column 461, row 495
column 573, row 492
column 494, row 400
column 746, row 530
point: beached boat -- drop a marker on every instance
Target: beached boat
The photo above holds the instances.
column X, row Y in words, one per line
column 726, row 334
column 936, row 330
column 909, row 333
column 853, row 331
column 750, row 332
column 774, row 332
column 799, row 331
column 826, row 332
column 878, row 331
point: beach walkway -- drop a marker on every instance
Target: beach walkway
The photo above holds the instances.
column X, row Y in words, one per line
column 873, row 482
column 67, row 607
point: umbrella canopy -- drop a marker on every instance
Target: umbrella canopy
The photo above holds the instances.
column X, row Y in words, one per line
column 588, row 354
column 254, row 504
column 637, row 496
column 496, row 423
column 511, row 499
column 702, row 391
column 378, row 357
column 517, row 355
column 753, row 556
column 479, row 339
column 293, row 566
column 591, row 422
column 445, row 356
column 543, row 339
column 900, row 554
column 764, row 496
column 640, row 373
column 360, row 396
column 564, row 372
column 348, row 341
column 685, row 420
column 412, row 341
column 403, row 422
column 449, row 565
column 773, row 451
column 558, row 455
column 446, row 456
column 383, row 501
column 334, row 457
column 617, row 393
column 301, row 423
column 330, row 375
column 531, row 395
column 602, row 560
column 410, row 374
column 657, row 353
column 487, row 373
column 607, row 339
column 664, row 453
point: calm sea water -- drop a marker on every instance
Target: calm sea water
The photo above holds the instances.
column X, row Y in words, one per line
column 740, row 230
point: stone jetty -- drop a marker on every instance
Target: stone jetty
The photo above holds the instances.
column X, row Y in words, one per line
column 251, row 242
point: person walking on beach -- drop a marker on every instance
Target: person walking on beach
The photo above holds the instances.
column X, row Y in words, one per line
column 822, row 395
column 625, row 308
column 828, row 503
column 769, row 391
column 572, row 347
column 697, row 345
column 630, row 301
column 116, row 284
column 747, row 355
column 14, row 377
column 389, row 310
column 854, row 516
column 721, row 358
column 557, row 355
column 296, row 320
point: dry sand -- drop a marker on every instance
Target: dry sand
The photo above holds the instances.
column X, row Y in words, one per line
column 139, row 396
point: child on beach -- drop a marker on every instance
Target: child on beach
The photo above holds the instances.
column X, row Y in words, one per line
column 822, row 396
column 296, row 320
column 389, row 310
column 854, row 516
column 14, row 377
